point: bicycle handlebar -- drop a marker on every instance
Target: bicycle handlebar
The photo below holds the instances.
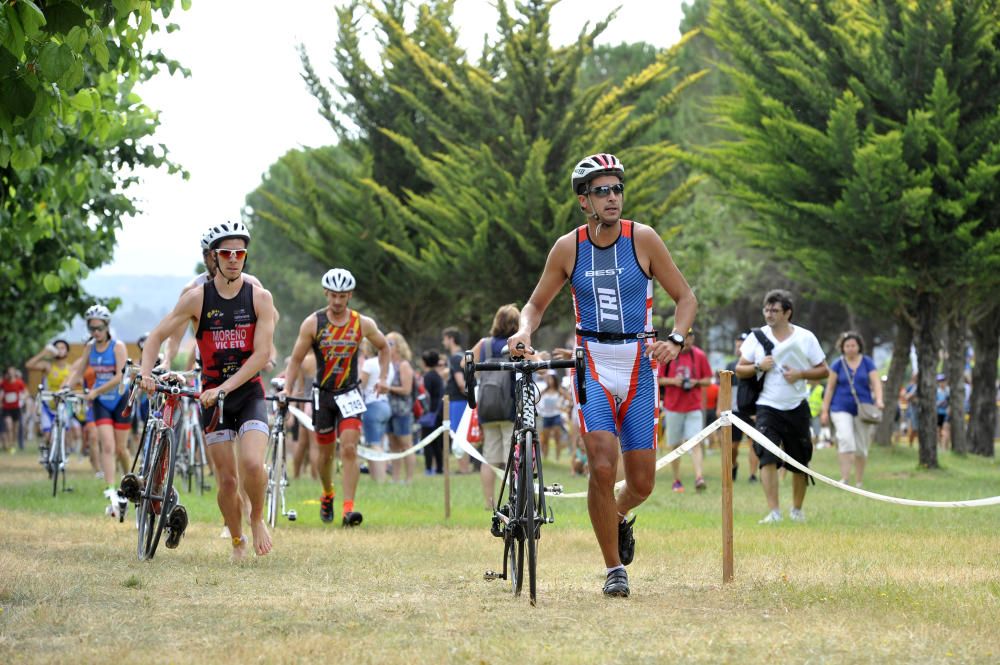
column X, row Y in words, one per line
column 578, row 363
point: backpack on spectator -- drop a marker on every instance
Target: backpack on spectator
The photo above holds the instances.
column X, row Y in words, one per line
column 420, row 398
column 748, row 390
column 495, row 401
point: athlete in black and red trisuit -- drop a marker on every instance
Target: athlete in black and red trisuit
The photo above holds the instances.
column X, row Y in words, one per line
column 334, row 334
column 235, row 328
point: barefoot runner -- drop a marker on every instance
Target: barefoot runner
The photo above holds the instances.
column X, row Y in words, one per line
column 235, row 328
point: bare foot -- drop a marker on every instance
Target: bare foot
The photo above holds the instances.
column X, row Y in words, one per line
column 240, row 549
column 261, row 538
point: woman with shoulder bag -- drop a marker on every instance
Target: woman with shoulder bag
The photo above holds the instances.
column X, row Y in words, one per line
column 853, row 403
column 401, row 405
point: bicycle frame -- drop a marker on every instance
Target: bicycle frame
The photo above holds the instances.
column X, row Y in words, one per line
column 55, row 461
column 275, row 457
column 518, row 520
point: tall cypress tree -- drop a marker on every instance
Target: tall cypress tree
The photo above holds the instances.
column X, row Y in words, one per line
column 869, row 146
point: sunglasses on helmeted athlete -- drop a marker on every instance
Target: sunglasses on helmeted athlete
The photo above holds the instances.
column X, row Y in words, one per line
column 230, row 254
column 96, row 328
column 604, row 191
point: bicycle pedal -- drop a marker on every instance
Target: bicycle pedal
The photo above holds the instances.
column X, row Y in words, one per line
column 292, row 516
column 554, row 489
column 492, row 575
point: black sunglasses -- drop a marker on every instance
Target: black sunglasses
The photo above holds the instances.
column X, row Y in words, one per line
column 96, row 328
column 604, row 191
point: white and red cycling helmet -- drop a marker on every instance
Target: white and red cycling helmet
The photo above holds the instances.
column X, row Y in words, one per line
column 588, row 168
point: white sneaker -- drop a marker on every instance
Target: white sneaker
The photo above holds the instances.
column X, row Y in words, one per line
column 797, row 515
column 772, row 517
column 113, row 509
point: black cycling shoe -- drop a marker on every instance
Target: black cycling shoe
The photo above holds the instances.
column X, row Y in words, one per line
column 352, row 518
column 326, row 508
column 626, row 542
column 130, row 487
column 177, row 522
column 616, row 585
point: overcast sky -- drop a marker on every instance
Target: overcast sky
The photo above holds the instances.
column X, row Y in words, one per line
column 245, row 105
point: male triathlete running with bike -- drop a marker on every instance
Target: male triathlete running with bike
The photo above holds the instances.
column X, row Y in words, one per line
column 208, row 259
column 235, row 329
column 334, row 334
column 106, row 356
column 610, row 263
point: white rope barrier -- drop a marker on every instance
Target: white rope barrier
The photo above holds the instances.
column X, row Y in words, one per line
column 682, row 449
column 660, row 463
column 304, row 419
column 769, row 445
column 376, row 455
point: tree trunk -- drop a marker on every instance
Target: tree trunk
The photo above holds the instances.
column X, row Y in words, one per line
column 955, row 368
column 983, row 412
column 899, row 371
column 926, row 342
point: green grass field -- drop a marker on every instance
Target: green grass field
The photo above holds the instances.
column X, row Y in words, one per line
column 862, row 581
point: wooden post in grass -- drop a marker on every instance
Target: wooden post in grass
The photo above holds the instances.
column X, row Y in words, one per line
column 446, row 456
column 725, row 404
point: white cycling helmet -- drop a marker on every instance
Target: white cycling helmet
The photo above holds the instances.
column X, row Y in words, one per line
column 206, row 240
column 339, row 280
column 97, row 312
column 590, row 167
column 220, row 232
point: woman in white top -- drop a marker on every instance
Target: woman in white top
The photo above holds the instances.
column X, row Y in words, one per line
column 375, row 419
column 551, row 405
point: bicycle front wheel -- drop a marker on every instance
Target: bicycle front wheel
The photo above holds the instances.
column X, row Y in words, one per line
column 531, row 516
column 156, row 499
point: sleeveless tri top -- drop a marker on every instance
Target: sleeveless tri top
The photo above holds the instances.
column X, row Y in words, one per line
column 611, row 291
column 225, row 334
column 54, row 379
column 103, row 364
column 336, row 349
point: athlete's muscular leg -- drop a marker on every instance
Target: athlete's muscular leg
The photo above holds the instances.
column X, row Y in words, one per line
column 121, row 450
column 602, row 451
column 224, row 459
column 640, row 476
column 106, row 439
column 253, row 444
column 326, row 451
column 349, row 439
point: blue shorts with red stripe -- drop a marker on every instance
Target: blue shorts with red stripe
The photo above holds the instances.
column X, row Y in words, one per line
column 621, row 394
column 113, row 416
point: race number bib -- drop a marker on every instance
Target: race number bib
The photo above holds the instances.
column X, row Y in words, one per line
column 350, row 403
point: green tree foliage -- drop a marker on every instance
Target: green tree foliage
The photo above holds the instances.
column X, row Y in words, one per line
column 469, row 164
column 868, row 147
column 72, row 133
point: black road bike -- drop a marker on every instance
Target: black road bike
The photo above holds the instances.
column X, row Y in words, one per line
column 521, row 510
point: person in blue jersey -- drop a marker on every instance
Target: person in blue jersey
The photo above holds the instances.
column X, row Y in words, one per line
column 106, row 356
column 611, row 263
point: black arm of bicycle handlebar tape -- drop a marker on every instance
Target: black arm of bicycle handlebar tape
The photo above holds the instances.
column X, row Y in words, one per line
column 470, row 379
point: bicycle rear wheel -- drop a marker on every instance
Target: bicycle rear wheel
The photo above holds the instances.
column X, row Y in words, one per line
column 156, row 500
column 531, row 516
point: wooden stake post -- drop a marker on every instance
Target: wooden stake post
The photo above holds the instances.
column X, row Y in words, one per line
column 446, row 456
column 725, row 404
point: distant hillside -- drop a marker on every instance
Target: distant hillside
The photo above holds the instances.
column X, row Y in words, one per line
column 145, row 300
